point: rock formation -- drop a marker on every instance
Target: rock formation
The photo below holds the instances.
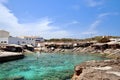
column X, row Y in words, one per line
column 98, row 70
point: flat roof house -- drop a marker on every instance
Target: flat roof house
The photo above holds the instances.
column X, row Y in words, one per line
column 5, row 38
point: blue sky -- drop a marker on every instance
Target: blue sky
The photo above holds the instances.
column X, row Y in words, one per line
column 60, row 18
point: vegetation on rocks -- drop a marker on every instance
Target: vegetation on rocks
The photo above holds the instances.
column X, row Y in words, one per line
column 62, row 40
column 103, row 40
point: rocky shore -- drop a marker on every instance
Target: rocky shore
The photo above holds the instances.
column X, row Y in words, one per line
column 108, row 49
column 109, row 53
column 9, row 52
column 9, row 56
column 98, row 70
column 93, row 70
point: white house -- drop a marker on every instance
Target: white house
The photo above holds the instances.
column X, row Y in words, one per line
column 15, row 40
column 5, row 38
column 4, row 34
column 32, row 40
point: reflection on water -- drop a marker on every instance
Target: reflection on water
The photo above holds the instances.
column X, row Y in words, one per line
column 45, row 67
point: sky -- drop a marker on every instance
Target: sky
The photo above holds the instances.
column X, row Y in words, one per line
column 60, row 18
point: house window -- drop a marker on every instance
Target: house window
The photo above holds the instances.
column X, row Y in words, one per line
column 18, row 42
column 5, row 41
column 23, row 42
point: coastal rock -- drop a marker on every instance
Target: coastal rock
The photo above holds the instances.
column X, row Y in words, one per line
column 98, row 70
column 101, row 49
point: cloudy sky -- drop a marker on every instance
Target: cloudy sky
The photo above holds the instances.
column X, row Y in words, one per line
column 60, row 18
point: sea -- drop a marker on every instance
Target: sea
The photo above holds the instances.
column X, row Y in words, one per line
column 45, row 66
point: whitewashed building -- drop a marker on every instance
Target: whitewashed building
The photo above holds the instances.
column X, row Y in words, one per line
column 31, row 40
column 15, row 40
column 5, row 38
column 4, row 34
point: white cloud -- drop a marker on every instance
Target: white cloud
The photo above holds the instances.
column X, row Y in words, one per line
column 43, row 27
column 107, row 14
column 92, row 28
column 103, row 15
column 74, row 22
column 94, row 3
column 8, row 21
column 95, row 24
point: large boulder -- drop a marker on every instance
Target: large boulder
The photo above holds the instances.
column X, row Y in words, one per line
column 98, row 70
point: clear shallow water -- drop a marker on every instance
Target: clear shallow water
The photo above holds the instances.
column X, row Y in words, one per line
column 46, row 67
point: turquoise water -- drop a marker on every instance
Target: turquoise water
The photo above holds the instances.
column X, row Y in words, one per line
column 46, row 67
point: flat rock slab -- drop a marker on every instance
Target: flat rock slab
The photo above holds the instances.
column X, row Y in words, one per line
column 4, row 54
column 9, row 56
column 98, row 70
